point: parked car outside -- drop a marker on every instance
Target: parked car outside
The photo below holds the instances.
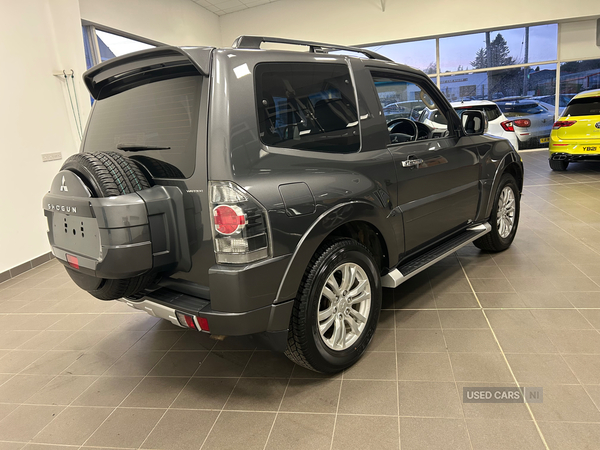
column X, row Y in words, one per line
column 264, row 194
column 576, row 134
column 532, row 121
column 549, row 101
column 498, row 124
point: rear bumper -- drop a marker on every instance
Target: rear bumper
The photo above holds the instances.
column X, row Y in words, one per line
column 268, row 325
column 575, row 148
column 164, row 304
column 561, row 156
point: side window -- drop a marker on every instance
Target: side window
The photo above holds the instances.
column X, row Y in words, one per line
column 409, row 111
column 307, row 106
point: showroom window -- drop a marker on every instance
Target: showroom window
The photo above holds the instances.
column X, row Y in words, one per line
column 507, row 65
column 578, row 76
column 103, row 44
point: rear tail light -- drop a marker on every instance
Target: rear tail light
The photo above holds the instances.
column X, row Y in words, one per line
column 563, row 123
column 523, row 123
column 240, row 225
column 507, row 125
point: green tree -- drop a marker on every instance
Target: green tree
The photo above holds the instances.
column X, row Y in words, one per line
column 498, row 54
column 480, row 59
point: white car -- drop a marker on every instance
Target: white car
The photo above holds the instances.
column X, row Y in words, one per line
column 498, row 125
column 532, row 121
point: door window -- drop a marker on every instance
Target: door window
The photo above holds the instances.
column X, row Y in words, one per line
column 410, row 113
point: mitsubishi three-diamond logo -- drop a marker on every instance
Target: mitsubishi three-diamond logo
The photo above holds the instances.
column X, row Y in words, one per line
column 63, row 185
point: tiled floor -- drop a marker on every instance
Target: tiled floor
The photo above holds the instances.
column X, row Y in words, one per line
column 77, row 372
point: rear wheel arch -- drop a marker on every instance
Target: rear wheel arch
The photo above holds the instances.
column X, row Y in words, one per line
column 360, row 223
column 368, row 235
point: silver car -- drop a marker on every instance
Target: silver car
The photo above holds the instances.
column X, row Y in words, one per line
column 531, row 120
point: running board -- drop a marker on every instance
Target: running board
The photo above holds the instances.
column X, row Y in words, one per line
column 409, row 269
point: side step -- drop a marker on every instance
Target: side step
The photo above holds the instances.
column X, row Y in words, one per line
column 409, row 269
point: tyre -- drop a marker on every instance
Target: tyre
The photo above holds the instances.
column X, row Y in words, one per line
column 504, row 218
column 158, row 168
column 108, row 174
column 560, row 165
column 337, row 308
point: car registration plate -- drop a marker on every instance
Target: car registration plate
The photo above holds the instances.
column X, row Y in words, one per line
column 590, row 149
column 544, row 140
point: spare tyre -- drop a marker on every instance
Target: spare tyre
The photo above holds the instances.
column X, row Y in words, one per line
column 108, row 174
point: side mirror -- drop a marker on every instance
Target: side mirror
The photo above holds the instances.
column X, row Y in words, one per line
column 474, row 122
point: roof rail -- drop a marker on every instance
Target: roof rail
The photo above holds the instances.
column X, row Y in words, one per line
column 315, row 47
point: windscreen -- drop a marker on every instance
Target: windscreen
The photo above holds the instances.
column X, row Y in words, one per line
column 589, row 106
column 157, row 121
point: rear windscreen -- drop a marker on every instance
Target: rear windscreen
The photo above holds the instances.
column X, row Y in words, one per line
column 520, row 109
column 491, row 111
column 162, row 116
column 583, row 107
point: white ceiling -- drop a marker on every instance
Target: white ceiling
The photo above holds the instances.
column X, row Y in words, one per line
column 222, row 7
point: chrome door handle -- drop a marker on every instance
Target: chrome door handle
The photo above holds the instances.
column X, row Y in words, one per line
column 411, row 162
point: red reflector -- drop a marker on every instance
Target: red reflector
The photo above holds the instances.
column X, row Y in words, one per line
column 524, row 123
column 507, row 125
column 203, row 322
column 185, row 320
column 190, row 322
column 563, row 123
column 228, row 219
column 73, row 261
column 560, row 145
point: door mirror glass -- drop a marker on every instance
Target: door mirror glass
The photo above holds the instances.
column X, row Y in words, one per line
column 474, row 122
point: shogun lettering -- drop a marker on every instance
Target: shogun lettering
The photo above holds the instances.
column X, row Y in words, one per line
column 62, row 208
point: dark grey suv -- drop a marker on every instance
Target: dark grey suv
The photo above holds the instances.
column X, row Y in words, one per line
column 242, row 191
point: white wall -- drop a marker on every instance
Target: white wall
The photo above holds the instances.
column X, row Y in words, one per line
column 175, row 22
column 577, row 40
column 39, row 37
column 352, row 22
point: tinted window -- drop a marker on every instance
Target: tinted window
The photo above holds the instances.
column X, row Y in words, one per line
column 160, row 114
column 491, row 111
column 307, row 106
column 520, row 109
column 583, row 107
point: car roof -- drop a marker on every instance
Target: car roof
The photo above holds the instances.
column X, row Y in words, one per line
column 590, row 93
column 472, row 103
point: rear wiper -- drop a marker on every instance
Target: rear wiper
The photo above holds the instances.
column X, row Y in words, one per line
column 140, row 148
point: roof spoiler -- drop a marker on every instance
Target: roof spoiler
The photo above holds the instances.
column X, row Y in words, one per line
column 131, row 68
column 315, row 47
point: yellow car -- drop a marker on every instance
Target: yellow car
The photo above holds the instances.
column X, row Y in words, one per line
column 576, row 135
